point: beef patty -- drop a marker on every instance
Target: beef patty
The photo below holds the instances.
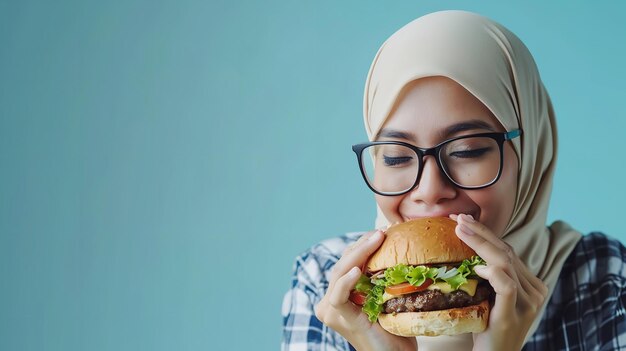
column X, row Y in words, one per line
column 434, row 300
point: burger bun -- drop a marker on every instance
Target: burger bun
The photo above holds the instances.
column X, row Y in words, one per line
column 420, row 241
column 453, row 321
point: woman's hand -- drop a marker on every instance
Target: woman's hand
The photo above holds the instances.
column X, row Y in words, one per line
column 519, row 293
column 337, row 312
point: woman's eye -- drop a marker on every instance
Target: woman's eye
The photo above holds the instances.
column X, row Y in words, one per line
column 470, row 153
column 396, row 161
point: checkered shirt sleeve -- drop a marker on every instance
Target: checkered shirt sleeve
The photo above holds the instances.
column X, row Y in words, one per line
column 301, row 329
column 586, row 310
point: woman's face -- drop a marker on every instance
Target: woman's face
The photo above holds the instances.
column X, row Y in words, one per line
column 426, row 108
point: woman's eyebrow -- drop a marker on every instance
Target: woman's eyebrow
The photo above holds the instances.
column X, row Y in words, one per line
column 395, row 134
column 444, row 134
column 463, row 126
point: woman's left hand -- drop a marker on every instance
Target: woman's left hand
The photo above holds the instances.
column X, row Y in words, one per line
column 519, row 293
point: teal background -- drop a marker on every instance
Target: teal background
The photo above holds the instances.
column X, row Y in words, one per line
column 162, row 163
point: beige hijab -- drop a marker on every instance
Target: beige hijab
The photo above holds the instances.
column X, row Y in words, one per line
column 495, row 66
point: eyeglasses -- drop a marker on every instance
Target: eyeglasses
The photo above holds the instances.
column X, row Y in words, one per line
column 470, row 162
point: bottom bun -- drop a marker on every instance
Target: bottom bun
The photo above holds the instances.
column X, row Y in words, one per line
column 453, row 321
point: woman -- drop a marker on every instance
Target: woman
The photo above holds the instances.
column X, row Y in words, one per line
column 443, row 76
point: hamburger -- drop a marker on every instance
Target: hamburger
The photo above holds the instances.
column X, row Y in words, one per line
column 421, row 281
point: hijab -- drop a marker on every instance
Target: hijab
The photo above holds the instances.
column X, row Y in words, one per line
column 496, row 67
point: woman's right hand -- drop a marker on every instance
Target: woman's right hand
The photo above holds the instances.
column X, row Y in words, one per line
column 338, row 312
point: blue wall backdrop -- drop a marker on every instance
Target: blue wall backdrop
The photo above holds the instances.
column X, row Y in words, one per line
column 162, row 163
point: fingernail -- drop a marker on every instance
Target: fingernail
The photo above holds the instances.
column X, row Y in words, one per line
column 374, row 236
column 354, row 271
column 469, row 218
column 466, row 230
column 478, row 269
column 453, row 217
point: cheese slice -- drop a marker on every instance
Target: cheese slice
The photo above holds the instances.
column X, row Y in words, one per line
column 469, row 287
column 388, row 296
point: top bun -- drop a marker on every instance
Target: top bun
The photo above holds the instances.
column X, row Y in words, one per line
column 420, row 241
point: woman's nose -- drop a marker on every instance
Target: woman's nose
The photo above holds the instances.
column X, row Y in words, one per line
column 433, row 185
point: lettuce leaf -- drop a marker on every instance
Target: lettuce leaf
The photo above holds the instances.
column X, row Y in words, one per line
column 418, row 275
column 397, row 274
column 364, row 284
column 462, row 272
column 374, row 303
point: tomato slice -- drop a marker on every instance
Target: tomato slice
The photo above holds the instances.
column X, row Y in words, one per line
column 357, row 297
column 407, row 288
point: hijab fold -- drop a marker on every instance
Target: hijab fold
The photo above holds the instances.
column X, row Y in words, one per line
column 496, row 67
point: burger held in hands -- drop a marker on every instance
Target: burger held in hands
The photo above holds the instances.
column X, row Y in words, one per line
column 421, row 281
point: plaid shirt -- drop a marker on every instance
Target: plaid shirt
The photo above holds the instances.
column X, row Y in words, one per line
column 586, row 310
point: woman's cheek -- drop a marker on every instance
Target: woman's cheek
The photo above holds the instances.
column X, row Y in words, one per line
column 494, row 210
column 390, row 205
